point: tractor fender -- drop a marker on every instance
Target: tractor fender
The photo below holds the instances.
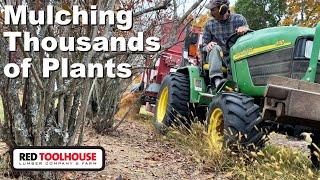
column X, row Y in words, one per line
column 197, row 83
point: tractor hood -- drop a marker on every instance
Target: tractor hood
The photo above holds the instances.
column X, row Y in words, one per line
column 268, row 39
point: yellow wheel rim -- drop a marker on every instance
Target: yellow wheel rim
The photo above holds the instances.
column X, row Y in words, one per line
column 162, row 104
column 215, row 128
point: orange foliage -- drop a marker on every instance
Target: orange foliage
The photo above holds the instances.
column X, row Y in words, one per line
column 201, row 21
column 303, row 13
column 137, row 79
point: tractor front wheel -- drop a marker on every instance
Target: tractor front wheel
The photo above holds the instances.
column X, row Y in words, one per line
column 233, row 121
column 172, row 103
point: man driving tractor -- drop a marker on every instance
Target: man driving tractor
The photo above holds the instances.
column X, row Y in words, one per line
column 216, row 33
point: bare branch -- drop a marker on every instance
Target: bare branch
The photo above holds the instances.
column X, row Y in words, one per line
column 164, row 5
column 193, row 7
column 115, row 54
column 86, row 109
column 33, row 70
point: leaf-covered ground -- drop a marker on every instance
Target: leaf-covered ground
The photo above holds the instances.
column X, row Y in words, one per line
column 134, row 151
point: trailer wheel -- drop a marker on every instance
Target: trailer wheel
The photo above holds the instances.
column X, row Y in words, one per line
column 172, row 103
column 233, row 121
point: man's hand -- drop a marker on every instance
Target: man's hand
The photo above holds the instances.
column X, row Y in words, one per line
column 210, row 46
column 242, row 30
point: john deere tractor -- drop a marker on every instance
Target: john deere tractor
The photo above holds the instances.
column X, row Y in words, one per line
column 274, row 86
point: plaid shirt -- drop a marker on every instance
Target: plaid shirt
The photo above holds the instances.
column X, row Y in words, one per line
column 219, row 31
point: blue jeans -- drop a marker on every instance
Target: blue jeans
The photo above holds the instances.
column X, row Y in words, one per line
column 214, row 58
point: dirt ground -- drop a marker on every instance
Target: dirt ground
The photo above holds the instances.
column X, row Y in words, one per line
column 134, row 151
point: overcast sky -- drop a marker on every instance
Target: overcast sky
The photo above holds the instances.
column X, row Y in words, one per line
column 189, row 3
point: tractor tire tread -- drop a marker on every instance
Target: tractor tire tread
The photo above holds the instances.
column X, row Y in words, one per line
column 177, row 109
column 241, row 116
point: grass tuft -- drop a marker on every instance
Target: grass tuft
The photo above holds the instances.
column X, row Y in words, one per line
column 271, row 162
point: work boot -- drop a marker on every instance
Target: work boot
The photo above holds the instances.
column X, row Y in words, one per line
column 217, row 83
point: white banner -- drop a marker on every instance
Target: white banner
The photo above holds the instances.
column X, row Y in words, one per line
column 62, row 158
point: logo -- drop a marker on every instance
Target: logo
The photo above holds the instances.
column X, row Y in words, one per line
column 58, row 158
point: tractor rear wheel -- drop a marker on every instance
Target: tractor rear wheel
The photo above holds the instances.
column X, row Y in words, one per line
column 172, row 104
column 233, row 121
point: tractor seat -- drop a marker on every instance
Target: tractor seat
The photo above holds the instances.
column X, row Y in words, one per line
column 206, row 68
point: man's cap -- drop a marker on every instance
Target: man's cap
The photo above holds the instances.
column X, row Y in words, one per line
column 216, row 3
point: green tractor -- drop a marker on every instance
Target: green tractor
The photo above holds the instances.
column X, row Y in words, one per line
column 275, row 86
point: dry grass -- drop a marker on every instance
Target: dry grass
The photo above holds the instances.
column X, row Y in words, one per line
column 271, row 162
column 128, row 102
column 278, row 163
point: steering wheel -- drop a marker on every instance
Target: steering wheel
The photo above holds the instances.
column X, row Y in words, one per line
column 233, row 39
